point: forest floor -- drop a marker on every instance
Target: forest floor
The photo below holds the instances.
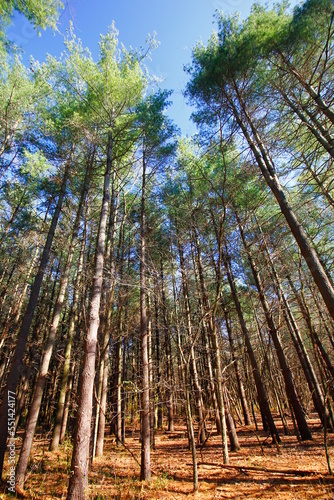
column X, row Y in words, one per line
column 293, row 470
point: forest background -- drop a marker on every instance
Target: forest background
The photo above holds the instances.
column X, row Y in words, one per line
column 150, row 276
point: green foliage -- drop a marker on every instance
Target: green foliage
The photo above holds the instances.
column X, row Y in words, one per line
column 17, row 99
column 20, row 194
column 41, row 13
column 156, row 129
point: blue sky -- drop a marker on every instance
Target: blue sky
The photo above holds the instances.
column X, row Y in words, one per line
column 179, row 24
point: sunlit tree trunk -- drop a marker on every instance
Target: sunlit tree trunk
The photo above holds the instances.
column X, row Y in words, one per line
column 287, row 375
column 215, row 344
column 59, row 417
column 195, row 378
column 168, row 349
column 267, row 417
column 268, row 171
column 241, row 389
column 104, row 368
column 145, row 472
column 78, row 483
column 49, row 345
column 315, row 96
column 16, row 364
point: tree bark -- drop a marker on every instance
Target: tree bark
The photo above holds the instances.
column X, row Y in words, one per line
column 287, row 375
column 241, row 389
column 268, row 171
column 56, row 437
column 211, row 312
column 296, row 336
column 195, row 378
column 262, row 397
column 78, row 483
column 22, row 338
column 108, row 314
column 145, row 471
column 322, row 136
column 168, row 349
column 316, row 97
column 49, row 345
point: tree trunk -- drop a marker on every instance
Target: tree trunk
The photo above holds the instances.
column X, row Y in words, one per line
column 46, row 358
column 168, row 348
column 78, row 483
column 211, row 312
column 145, row 472
column 108, row 314
column 150, row 364
column 316, row 97
column 314, row 386
column 158, row 364
column 67, row 403
column 322, row 136
column 233, row 437
column 287, row 375
column 195, row 379
column 212, row 384
column 192, row 438
column 67, row 361
column 119, row 359
column 296, row 336
column 23, row 395
column 241, row 389
column 268, row 171
column 22, row 338
column 262, row 397
column 19, row 305
column 184, row 371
